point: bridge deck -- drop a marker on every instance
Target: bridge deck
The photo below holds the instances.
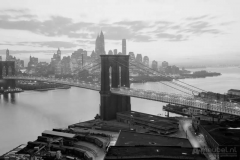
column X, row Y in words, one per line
column 85, row 85
column 226, row 108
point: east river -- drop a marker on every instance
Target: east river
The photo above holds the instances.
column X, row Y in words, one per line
column 26, row 115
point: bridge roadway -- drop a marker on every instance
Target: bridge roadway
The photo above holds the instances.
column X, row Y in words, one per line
column 226, row 107
column 73, row 83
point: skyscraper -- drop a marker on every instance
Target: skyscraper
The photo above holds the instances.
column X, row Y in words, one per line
column 146, row 61
column 155, row 65
column 115, row 51
column 7, row 55
column 139, row 58
column 93, row 55
column 100, row 45
column 59, row 53
column 164, row 64
column 132, row 56
column 124, row 49
column 0, row 58
column 110, row 52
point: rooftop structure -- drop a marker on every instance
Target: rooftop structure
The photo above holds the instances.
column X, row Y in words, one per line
column 234, row 92
column 127, row 138
column 161, row 125
column 59, row 134
column 223, row 140
column 151, row 152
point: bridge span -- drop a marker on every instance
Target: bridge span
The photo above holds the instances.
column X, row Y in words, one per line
column 115, row 91
column 226, row 107
column 74, row 83
column 190, row 101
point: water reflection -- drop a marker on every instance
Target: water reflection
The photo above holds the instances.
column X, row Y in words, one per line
column 9, row 98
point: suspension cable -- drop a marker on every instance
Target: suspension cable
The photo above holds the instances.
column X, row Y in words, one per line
column 159, row 82
column 171, row 81
column 170, row 77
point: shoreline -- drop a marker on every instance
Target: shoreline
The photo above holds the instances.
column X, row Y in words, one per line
column 47, row 89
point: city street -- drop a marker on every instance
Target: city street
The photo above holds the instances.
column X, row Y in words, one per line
column 197, row 141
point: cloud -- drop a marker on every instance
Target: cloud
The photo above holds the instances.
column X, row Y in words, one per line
column 171, row 37
column 15, row 14
column 163, row 22
column 142, row 38
column 51, row 44
column 55, row 26
column 138, row 31
column 56, row 44
column 201, row 27
column 134, row 25
column 197, row 18
column 226, row 23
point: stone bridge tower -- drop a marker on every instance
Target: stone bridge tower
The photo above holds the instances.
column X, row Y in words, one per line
column 7, row 68
column 114, row 73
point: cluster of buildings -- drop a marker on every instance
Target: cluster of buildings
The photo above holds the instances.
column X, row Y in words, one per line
column 133, row 135
column 70, row 65
column 19, row 64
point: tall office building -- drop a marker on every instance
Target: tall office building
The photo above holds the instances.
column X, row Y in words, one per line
column 100, row 45
column 115, row 51
column 175, row 70
column 146, row 61
column 65, row 65
column 132, row 56
column 19, row 64
column 7, row 55
column 93, row 55
column 164, row 64
column 124, row 47
column 59, row 53
column 155, row 65
column 139, row 58
column 110, row 52
column 0, row 58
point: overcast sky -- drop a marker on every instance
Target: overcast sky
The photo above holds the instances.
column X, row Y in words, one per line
column 178, row 31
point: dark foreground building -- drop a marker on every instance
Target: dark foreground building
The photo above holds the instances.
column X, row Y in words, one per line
column 127, row 138
column 152, row 152
column 161, row 125
column 222, row 139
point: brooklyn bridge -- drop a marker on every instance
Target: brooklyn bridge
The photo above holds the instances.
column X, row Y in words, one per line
column 115, row 91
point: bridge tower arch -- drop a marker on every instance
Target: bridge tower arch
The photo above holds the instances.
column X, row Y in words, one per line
column 110, row 104
column 7, row 68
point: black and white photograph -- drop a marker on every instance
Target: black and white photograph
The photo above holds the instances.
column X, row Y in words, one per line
column 119, row 79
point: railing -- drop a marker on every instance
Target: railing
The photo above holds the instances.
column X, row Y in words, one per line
column 227, row 107
column 71, row 82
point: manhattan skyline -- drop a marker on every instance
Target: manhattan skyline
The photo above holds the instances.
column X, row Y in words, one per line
column 192, row 32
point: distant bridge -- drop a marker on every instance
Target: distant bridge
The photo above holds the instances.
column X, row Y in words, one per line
column 74, row 83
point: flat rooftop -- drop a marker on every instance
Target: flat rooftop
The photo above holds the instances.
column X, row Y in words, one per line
column 234, row 90
column 112, row 125
column 164, row 122
column 126, row 138
column 60, row 134
column 145, row 152
column 223, row 135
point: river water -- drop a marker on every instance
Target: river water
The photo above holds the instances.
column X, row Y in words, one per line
column 26, row 115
